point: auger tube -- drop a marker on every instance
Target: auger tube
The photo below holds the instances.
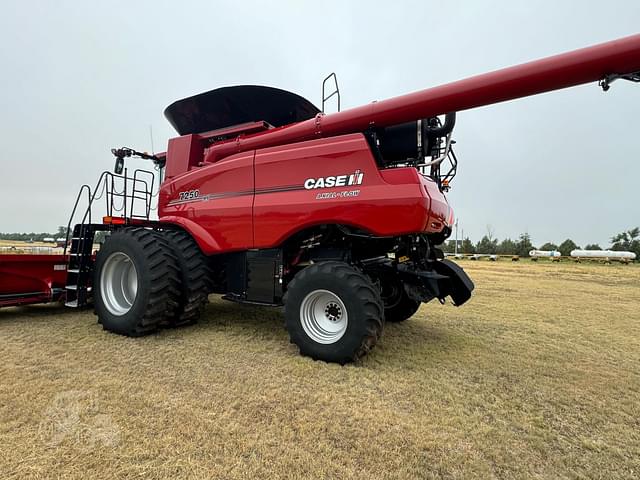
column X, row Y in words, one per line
column 577, row 67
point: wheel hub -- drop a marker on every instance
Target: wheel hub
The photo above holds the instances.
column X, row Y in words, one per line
column 323, row 316
column 333, row 312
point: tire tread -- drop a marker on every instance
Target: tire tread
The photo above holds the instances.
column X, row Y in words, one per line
column 163, row 278
column 195, row 276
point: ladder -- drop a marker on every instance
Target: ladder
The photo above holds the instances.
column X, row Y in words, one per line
column 80, row 266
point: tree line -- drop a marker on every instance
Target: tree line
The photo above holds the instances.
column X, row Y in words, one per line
column 625, row 241
column 36, row 237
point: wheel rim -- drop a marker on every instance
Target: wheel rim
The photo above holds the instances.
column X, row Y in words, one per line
column 118, row 283
column 323, row 316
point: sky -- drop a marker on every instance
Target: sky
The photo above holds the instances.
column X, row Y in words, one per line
column 78, row 78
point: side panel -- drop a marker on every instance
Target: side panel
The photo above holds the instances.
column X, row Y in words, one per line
column 295, row 189
column 214, row 203
column 325, row 181
column 183, row 153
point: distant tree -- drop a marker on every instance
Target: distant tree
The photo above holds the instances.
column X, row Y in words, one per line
column 62, row 232
column 36, row 237
column 566, row 247
column 467, row 246
column 507, row 247
column 524, row 245
column 487, row 245
column 627, row 241
column 449, row 246
column 592, row 246
column 490, row 233
column 549, row 247
column 100, row 236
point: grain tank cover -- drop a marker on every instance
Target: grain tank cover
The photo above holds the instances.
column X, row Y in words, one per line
column 228, row 106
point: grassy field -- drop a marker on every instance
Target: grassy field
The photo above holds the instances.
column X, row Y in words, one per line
column 20, row 243
column 20, row 247
column 537, row 377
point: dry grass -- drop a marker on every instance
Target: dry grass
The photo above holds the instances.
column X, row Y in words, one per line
column 538, row 377
column 16, row 247
column 21, row 243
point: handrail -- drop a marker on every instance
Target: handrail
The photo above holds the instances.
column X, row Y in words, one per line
column 148, row 190
column 73, row 212
column 335, row 92
column 109, row 188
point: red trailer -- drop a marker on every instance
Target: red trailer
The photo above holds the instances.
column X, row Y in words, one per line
column 267, row 200
column 26, row 279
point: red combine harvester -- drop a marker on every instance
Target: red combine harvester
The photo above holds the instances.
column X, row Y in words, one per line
column 266, row 200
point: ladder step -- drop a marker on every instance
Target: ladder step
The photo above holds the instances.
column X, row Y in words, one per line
column 73, row 270
column 75, row 288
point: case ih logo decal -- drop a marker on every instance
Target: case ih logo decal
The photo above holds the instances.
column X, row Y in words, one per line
column 334, row 181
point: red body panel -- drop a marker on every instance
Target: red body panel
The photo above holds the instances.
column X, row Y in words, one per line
column 183, row 153
column 221, row 217
column 258, row 200
column 33, row 277
column 375, row 205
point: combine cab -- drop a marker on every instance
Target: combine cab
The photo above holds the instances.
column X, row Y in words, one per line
column 264, row 199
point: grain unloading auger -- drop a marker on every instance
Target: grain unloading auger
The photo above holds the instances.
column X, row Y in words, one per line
column 267, row 200
column 604, row 62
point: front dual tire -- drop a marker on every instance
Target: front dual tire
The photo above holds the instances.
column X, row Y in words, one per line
column 145, row 279
column 136, row 283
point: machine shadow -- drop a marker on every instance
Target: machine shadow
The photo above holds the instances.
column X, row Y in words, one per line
column 225, row 314
column 424, row 337
column 31, row 312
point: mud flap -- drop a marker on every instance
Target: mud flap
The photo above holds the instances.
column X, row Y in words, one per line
column 445, row 279
column 459, row 285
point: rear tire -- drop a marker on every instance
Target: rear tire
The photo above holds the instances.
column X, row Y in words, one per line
column 333, row 312
column 195, row 277
column 136, row 283
column 398, row 306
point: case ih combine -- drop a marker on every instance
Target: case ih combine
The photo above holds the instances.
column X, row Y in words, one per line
column 266, row 200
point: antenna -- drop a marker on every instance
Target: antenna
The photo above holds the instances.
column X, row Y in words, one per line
column 456, row 249
column 151, row 137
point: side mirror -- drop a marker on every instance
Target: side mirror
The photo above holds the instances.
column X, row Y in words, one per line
column 119, row 167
